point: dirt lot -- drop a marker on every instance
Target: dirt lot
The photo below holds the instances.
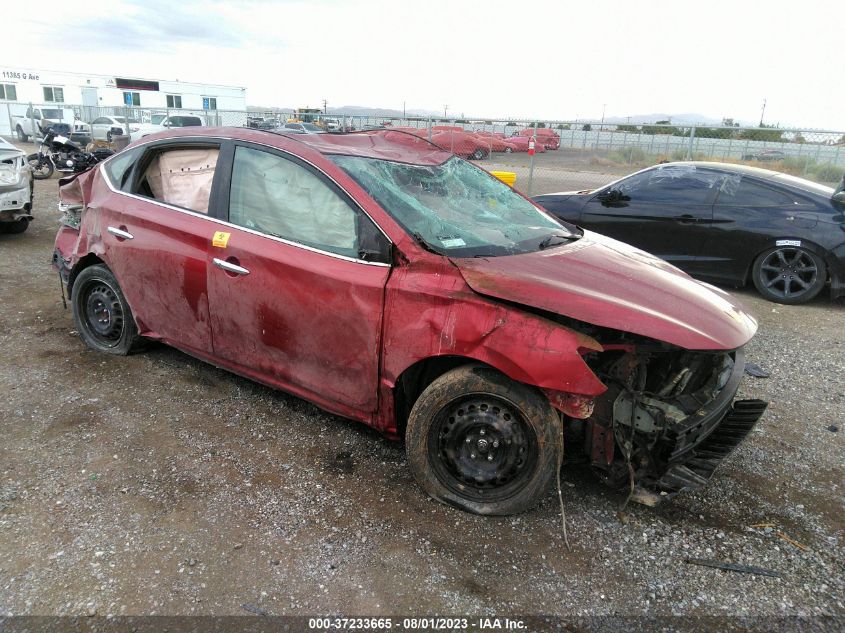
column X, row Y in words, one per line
column 159, row 484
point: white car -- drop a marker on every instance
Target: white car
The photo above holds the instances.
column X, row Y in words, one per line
column 166, row 122
column 105, row 127
column 15, row 189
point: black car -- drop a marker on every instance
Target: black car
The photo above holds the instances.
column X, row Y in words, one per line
column 724, row 223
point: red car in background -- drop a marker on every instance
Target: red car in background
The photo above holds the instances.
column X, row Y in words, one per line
column 464, row 144
column 388, row 281
column 495, row 143
column 549, row 138
column 521, row 144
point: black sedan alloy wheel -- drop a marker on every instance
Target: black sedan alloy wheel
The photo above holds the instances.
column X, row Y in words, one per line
column 789, row 274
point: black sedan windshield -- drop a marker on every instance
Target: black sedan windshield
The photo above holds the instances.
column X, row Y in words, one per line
column 457, row 209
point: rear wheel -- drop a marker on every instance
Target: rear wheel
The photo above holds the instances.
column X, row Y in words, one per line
column 21, row 136
column 789, row 274
column 101, row 314
column 18, row 226
column 108, row 136
column 478, row 154
column 483, row 443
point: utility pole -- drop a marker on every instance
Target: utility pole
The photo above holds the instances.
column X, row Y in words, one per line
column 762, row 113
column 445, row 107
column 325, row 103
column 603, row 108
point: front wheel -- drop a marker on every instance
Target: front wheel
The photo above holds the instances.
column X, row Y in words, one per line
column 42, row 167
column 483, row 443
column 789, row 274
column 21, row 136
column 478, row 154
column 101, row 314
column 18, row 226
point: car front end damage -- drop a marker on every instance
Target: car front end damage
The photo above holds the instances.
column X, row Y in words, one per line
column 15, row 186
column 667, row 419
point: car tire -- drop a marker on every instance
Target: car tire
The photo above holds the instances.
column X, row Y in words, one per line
column 508, row 150
column 23, row 138
column 789, row 274
column 18, row 226
column 101, row 313
column 478, row 154
column 109, row 136
column 41, row 169
column 474, row 424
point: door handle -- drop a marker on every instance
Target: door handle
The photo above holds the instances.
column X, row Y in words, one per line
column 120, row 233
column 230, row 267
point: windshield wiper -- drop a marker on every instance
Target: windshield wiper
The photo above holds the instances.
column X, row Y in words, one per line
column 548, row 241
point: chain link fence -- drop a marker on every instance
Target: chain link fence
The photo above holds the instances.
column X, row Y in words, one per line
column 546, row 156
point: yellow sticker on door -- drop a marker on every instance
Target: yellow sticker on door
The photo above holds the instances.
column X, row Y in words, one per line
column 220, row 239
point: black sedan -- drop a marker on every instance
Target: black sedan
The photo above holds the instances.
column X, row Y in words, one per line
column 724, row 223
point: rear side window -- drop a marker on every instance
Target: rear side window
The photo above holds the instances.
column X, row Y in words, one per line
column 181, row 176
column 119, row 167
column 748, row 193
column 279, row 197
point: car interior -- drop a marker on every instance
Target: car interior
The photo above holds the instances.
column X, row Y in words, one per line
column 181, row 177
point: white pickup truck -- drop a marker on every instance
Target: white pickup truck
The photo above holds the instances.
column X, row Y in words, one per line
column 42, row 118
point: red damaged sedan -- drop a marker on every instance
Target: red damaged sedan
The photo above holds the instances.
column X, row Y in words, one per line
column 391, row 282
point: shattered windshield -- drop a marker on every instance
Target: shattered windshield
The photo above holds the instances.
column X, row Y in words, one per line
column 457, row 209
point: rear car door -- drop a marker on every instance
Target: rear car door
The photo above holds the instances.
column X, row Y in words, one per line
column 156, row 231
column 665, row 211
column 296, row 282
column 748, row 215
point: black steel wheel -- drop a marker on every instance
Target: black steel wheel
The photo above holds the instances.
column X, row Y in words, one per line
column 482, row 442
column 41, row 166
column 789, row 274
column 101, row 313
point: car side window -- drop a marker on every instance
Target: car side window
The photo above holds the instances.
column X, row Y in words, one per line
column 180, row 176
column 682, row 184
column 742, row 192
column 277, row 196
column 119, row 167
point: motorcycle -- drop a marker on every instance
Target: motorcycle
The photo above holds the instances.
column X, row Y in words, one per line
column 57, row 152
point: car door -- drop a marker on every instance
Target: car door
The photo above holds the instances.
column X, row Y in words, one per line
column 296, row 283
column 664, row 210
column 748, row 215
column 156, row 230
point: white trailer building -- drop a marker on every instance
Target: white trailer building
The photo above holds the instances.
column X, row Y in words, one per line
column 93, row 95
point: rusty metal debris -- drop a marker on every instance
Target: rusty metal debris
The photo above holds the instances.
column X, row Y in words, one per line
column 743, row 569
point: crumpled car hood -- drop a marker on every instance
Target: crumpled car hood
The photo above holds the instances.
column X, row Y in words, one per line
column 608, row 283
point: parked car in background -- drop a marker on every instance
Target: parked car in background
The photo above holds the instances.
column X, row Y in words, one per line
column 15, row 189
column 174, row 121
column 522, row 143
column 35, row 122
column 104, row 128
column 766, row 155
column 461, row 143
column 303, row 128
column 495, row 143
column 548, row 138
column 390, row 282
column 728, row 224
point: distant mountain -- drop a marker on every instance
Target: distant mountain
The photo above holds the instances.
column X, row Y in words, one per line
column 685, row 118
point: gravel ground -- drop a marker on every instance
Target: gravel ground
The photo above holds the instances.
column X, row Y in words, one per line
column 157, row 484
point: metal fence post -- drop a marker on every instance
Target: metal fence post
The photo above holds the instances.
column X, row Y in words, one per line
column 32, row 121
column 429, row 129
column 531, row 161
column 11, row 122
column 691, row 141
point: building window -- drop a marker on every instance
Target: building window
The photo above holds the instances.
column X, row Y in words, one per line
column 209, row 103
column 132, row 98
column 8, row 92
column 54, row 94
column 174, row 101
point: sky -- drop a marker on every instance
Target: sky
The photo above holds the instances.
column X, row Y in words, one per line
column 531, row 59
